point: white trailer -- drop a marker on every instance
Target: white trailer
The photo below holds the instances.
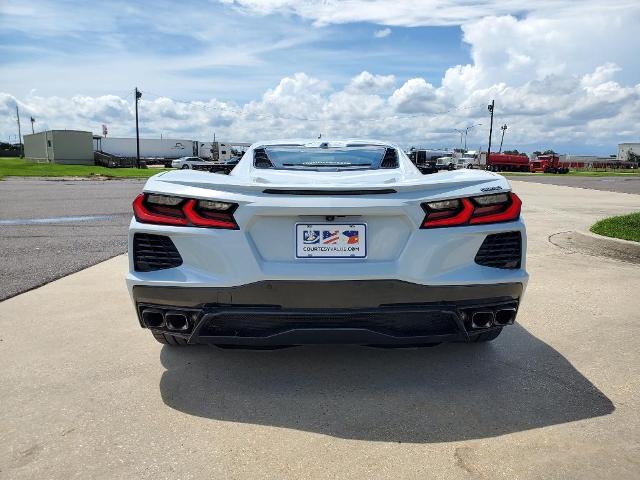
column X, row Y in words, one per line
column 149, row 147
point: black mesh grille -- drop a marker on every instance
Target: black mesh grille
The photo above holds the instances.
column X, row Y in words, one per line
column 390, row 159
column 249, row 323
column 260, row 159
column 501, row 250
column 154, row 252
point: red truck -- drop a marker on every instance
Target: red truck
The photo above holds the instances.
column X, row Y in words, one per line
column 547, row 164
column 505, row 162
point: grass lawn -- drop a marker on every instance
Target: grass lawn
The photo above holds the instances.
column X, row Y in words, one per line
column 626, row 227
column 625, row 173
column 17, row 167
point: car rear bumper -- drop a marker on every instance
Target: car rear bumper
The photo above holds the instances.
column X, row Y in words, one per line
column 307, row 312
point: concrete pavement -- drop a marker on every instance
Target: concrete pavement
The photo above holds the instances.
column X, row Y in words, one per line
column 86, row 393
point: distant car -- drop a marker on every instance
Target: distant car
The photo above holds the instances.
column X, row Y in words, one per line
column 225, row 167
column 326, row 242
column 188, row 162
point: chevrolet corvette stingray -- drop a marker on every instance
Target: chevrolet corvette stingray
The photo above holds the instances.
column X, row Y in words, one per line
column 326, row 242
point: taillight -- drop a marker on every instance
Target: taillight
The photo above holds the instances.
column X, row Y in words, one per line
column 501, row 207
column 186, row 212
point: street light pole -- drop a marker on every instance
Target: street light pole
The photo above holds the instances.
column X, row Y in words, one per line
column 19, row 133
column 33, row 120
column 490, row 108
column 503, row 128
column 138, row 95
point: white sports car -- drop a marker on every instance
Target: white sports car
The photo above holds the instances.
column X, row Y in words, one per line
column 326, row 242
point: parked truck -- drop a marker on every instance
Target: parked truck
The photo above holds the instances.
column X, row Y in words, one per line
column 547, row 164
column 504, row 162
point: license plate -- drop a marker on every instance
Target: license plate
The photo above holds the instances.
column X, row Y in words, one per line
column 331, row 240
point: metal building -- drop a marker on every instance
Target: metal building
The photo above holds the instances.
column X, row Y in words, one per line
column 625, row 148
column 60, row 146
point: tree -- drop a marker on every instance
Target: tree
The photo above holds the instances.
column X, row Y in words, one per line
column 549, row 152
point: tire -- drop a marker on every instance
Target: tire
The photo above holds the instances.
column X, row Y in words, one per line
column 185, row 167
column 166, row 339
column 487, row 336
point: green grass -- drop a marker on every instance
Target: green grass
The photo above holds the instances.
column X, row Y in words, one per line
column 17, row 167
column 626, row 227
column 579, row 173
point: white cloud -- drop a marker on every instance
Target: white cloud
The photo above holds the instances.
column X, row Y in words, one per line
column 592, row 110
column 413, row 13
column 385, row 32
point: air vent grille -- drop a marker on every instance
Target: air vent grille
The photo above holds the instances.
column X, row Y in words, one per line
column 261, row 159
column 154, row 252
column 390, row 159
column 501, row 250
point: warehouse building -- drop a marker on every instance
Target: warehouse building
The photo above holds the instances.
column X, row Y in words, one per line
column 625, row 148
column 60, row 146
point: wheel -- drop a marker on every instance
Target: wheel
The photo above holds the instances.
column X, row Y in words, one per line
column 487, row 336
column 450, row 167
column 470, row 166
column 185, row 167
column 167, row 339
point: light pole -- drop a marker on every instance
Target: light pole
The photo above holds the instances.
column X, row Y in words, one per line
column 461, row 133
column 490, row 108
column 465, row 132
column 504, row 129
column 138, row 95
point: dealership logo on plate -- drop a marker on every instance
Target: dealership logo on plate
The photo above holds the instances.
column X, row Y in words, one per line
column 311, row 236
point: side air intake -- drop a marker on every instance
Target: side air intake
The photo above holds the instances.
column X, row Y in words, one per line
column 154, row 252
column 261, row 159
column 501, row 250
column 390, row 159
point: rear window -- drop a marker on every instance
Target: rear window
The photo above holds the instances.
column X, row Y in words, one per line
column 325, row 158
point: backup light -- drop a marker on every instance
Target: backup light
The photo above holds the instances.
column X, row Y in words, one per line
column 502, row 207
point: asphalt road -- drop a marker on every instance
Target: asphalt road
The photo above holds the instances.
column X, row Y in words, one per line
column 619, row 183
column 86, row 393
column 50, row 228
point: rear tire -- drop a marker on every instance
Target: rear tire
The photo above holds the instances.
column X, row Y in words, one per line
column 166, row 339
column 487, row 336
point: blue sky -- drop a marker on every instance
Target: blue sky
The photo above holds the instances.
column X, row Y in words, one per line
column 230, row 64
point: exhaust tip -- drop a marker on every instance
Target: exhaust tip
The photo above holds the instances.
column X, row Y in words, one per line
column 177, row 321
column 152, row 318
column 505, row 316
column 481, row 319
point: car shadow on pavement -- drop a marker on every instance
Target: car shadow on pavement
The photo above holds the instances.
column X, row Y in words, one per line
column 446, row 393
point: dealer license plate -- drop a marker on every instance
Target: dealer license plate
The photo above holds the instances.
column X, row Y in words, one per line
column 331, row 240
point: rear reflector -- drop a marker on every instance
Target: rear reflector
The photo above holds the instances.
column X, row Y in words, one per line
column 185, row 212
column 502, row 207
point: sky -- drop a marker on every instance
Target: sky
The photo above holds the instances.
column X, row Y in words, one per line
column 564, row 74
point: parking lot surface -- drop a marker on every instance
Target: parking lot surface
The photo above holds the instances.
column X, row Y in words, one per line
column 619, row 183
column 86, row 393
column 50, row 228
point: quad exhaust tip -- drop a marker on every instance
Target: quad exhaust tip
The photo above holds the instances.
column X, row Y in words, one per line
column 482, row 319
column 177, row 321
column 153, row 318
column 505, row 316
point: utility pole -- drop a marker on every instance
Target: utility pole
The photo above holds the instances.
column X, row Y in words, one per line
column 138, row 95
column 33, row 120
column 19, row 133
column 490, row 108
column 503, row 128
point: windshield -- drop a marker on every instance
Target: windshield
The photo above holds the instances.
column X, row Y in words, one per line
column 326, row 158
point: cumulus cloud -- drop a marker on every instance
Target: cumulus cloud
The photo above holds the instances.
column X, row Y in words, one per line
column 385, row 32
column 592, row 109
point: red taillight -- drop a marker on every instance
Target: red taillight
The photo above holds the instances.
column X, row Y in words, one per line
column 503, row 212
column 177, row 211
column 503, row 207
